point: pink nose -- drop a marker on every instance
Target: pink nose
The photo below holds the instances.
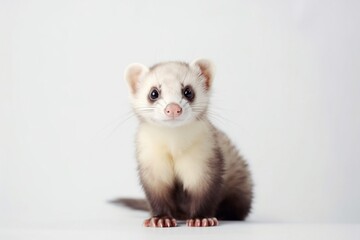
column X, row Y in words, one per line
column 173, row 110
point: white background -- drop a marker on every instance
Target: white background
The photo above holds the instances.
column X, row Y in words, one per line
column 287, row 91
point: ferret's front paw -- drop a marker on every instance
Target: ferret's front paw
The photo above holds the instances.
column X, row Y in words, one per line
column 160, row 222
column 202, row 222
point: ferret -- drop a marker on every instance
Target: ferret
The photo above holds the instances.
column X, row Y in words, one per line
column 189, row 169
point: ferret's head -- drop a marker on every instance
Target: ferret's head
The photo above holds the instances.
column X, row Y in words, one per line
column 172, row 93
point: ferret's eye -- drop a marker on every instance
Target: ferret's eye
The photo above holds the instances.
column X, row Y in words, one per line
column 188, row 93
column 154, row 94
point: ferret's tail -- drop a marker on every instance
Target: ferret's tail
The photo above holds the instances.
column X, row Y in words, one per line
column 134, row 203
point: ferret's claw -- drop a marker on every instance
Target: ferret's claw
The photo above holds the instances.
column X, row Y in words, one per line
column 160, row 222
column 204, row 222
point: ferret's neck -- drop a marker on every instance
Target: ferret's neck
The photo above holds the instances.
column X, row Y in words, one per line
column 177, row 139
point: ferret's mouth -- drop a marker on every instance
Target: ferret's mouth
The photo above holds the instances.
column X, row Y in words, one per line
column 173, row 120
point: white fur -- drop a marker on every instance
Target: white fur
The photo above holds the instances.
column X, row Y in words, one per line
column 170, row 153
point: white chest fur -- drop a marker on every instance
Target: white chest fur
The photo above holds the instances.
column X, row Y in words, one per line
column 182, row 153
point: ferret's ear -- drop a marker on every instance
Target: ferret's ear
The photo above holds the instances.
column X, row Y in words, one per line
column 206, row 69
column 133, row 74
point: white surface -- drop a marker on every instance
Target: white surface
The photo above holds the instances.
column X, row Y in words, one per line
column 126, row 224
column 229, row 231
column 287, row 91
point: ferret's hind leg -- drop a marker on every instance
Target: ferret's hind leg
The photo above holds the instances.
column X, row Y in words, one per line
column 160, row 222
column 234, row 207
